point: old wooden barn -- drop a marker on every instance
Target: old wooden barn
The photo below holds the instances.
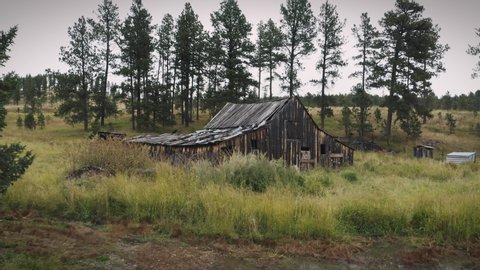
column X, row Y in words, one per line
column 280, row 129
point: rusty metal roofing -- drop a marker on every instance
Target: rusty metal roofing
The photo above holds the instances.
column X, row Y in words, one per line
column 245, row 115
column 200, row 137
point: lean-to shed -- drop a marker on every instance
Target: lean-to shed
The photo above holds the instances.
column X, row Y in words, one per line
column 423, row 151
column 280, row 129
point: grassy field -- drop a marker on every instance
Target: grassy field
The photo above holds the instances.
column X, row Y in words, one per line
column 380, row 195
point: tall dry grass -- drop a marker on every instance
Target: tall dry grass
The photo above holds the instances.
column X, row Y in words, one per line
column 380, row 194
column 388, row 196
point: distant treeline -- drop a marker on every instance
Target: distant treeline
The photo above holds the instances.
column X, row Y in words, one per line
column 467, row 102
column 173, row 70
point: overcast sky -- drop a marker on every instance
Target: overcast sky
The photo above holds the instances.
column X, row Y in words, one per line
column 43, row 29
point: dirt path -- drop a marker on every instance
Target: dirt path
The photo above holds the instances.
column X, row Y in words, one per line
column 28, row 241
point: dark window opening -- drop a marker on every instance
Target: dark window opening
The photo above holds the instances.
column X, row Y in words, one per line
column 228, row 150
column 254, row 144
column 323, row 149
column 304, row 148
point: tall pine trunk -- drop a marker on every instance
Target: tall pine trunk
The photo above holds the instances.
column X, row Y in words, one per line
column 364, row 71
column 292, row 56
column 323, row 101
column 105, row 82
column 393, row 83
column 271, row 75
column 259, row 81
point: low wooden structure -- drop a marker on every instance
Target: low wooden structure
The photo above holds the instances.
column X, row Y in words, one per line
column 105, row 135
column 280, row 129
column 423, row 151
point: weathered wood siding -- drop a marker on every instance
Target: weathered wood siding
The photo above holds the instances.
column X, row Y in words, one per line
column 253, row 142
column 290, row 131
column 294, row 136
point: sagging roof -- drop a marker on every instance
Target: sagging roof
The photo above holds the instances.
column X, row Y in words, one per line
column 231, row 121
column 245, row 115
column 200, row 137
column 425, row 146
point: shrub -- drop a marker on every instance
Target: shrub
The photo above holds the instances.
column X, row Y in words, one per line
column 19, row 121
column 350, row 176
column 250, row 172
column 369, row 220
column 30, row 121
column 257, row 173
column 41, row 120
column 111, row 155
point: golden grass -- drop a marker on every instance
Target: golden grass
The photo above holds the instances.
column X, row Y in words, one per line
column 392, row 194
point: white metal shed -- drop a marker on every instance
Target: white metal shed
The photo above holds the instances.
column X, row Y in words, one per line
column 461, row 157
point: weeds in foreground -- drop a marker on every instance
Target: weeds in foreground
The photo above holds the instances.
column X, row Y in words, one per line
column 251, row 197
column 114, row 156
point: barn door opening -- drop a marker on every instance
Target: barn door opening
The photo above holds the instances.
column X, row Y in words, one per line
column 292, row 152
column 292, row 133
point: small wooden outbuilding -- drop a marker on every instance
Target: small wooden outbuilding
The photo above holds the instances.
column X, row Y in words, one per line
column 423, row 151
column 280, row 129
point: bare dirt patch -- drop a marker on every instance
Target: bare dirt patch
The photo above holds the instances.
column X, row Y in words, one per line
column 138, row 246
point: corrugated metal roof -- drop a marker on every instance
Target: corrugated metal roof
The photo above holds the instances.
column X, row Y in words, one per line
column 461, row 154
column 243, row 115
column 200, row 137
column 461, row 157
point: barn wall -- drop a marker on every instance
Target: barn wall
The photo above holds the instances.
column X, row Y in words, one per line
column 294, row 136
column 335, row 154
column 215, row 152
column 291, row 131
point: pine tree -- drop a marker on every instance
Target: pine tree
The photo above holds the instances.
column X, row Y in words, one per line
column 411, row 125
column 272, row 43
column 298, row 27
column 30, row 122
column 19, row 121
column 214, row 99
column 41, row 120
column 360, row 111
column 330, row 42
column 410, row 43
column 9, row 81
column 136, row 44
column 347, row 120
column 81, row 55
column 378, row 118
column 187, row 37
column 6, row 40
column 451, row 122
column 165, row 49
column 259, row 57
column 233, row 31
column 105, row 31
column 366, row 36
